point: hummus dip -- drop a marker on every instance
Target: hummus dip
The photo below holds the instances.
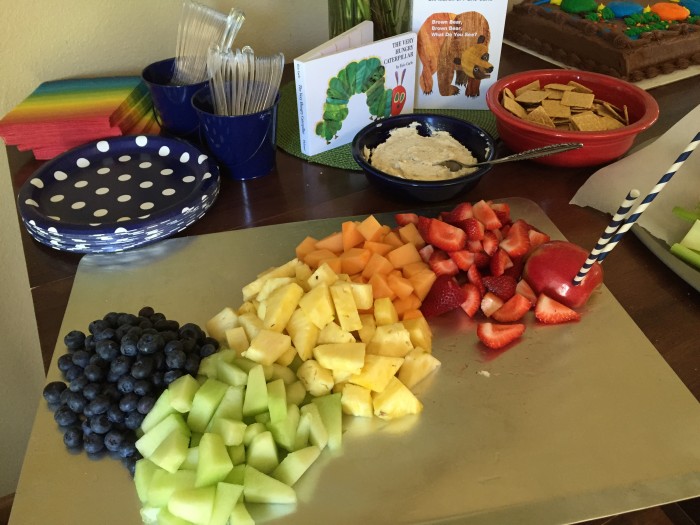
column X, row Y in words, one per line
column 408, row 155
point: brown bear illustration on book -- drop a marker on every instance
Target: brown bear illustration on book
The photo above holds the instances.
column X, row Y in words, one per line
column 456, row 48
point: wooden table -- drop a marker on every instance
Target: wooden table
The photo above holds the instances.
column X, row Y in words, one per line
column 665, row 307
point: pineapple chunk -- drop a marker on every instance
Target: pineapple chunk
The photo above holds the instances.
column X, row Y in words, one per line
column 417, row 365
column 217, row 325
column 236, row 339
column 324, row 274
column 332, row 333
column 267, row 347
column 317, row 380
column 390, row 340
column 318, row 305
column 251, row 323
column 384, row 311
column 377, row 372
column 356, row 400
column 281, row 305
column 363, row 295
column 395, row 401
column 303, row 332
column 344, row 357
column 345, row 307
column 302, row 274
column 288, row 269
column 272, row 285
column 421, row 334
column 368, row 327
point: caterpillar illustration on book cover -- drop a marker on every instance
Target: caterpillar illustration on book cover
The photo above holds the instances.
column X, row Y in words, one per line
column 364, row 76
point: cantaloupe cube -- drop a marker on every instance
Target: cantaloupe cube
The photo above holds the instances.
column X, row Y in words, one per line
column 406, row 304
column 334, row 262
column 422, row 282
column 381, row 248
column 413, row 268
column 305, row 247
column 403, row 255
column 351, row 235
column 370, row 228
column 393, row 239
column 354, row 260
column 411, row 314
column 380, row 287
column 401, row 286
column 332, row 242
column 315, row 257
column 409, row 233
column 377, row 264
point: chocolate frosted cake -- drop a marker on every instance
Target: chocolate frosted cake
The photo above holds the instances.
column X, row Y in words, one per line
column 624, row 39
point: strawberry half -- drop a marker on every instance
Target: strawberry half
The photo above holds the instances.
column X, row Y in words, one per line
column 402, row 219
column 501, row 285
column 526, row 291
column 442, row 264
column 549, row 311
column 474, row 277
column 513, row 309
column 463, row 259
column 502, row 211
column 490, row 303
column 490, row 242
column 497, row 336
column 537, row 237
column 472, row 303
column 444, row 295
column 499, row 262
column 486, row 215
column 459, row 213
column 517, row 242
column 445, row 236
column 473, row 227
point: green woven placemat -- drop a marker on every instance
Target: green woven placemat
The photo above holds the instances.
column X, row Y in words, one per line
column 340, row 157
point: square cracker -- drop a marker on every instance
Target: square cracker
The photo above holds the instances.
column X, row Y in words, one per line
column 587, row 121
column 580, row 88
column 535, row 84
column 515, row 108
column 531, row 96
column 555, row 108
column 539, row 116
column 576, row 99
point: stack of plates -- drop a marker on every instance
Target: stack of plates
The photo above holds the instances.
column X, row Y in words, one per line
column 118, row 193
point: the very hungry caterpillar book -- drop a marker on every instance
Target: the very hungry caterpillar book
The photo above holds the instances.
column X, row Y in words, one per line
column 350, row 81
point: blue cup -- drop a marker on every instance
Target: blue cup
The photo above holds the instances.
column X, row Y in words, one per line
column 172, row 104
column 244, row 145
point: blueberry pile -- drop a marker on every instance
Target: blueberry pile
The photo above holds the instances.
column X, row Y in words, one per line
column 114, row 374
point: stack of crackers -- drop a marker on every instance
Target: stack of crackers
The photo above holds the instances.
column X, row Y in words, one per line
column 566, row 107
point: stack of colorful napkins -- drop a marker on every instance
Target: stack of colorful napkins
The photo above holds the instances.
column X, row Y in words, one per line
column 62, row 114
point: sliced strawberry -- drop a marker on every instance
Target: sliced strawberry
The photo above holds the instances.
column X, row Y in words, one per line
column 517, row 242
column 459, row 213
column 463, row 259
column 474, row 246
column 472, row 303
column 485, row 214
column 444, row 295
column 516, row 268
column 499, row 262
column 481, row 260
column 502, row 211
column 473, row 227
column 549, row 311
column 502, row 285
column 499, row 335
column 513, row 309
column 526, row 291
column 441, row 264
column 423, row 226
column 490, row 242
column 490, row 302
column 426, row 252
column 474, row 277
column 537, row 237
column 445, row 236
column 402, row 219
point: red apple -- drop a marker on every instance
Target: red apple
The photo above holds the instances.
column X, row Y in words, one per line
column 551, row 268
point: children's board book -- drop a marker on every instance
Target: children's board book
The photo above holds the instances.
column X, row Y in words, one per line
column 350, row 81
column 459, row 48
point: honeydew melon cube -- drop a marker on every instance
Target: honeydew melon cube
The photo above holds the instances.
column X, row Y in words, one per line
column 144, row 471
column 377, row 372
column 191, row 459
column 236, row 339
column 356, row 400
column 171, row 453
column 311, row 418
column 286, row 374
column 331, row 411
column 267, row 347
column 303, row 332
column 231, row 431
column 318, row 306
column 231, row 405
column 251, row 323
column 214, row 461
column 263, row 418
column 281, row 305
column 293, row 466
column 236, row 475
column 253, row 430
column 262, row 452
column 691, row 239
column 194, row 439
column 161, row 409
column 227, row 495
column 285, row 431
column 317, row 380
column 276, row 400
column 255, row 398
column 207, row 368
column 391, row 340
column 164, row 484
column 237, row 454
column 230, row 374
column 181, row 393
column 333, row 333
column 165, row 517
column 149, row 515
column 417, row 365
column 296, row 393
column 261, row 488
column 341, row 357
column 395, row 401
column 216, row 326
column 149, row 442
column 301, row 438
column 240, row 515
column 194, row 505
column 247, row 365
column 345, row 307
column 205, row 403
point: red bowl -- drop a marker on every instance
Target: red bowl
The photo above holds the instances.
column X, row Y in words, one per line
column 599, row 147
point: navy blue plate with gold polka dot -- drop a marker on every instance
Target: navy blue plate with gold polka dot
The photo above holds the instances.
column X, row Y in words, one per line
column 118, row 193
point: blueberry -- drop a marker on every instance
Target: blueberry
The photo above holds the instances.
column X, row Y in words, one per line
column 52, row 391
column 111, row 392
column 169, row 335
column 146, row 311
column 130, row 465
column 112, row 319
column 97, row 326
column 91, row 391
column 159, row 361
column 128, row 345
column 76, row 402
column 144, row 324
column 121, row 331
column 100, row 424
column 172, row 375
column 81, row 358
column 107, row 349
column 126, row 384
column 211, row 341
column 127, row 319
column 143, row 387
column 65, row 362
column 93, row 373
column 192, row 364
column 99, row 405
column 89, row 343
column 72, row 373
column 173, row 345
column 164, row 325
column 145, row 404
column 85, row 427
column 142, row 367
column 113, row 440
column 206, row 350
column 93, row 443
column 65, row 417
column 105, row 335
column 127, row 448
column 133, row 420
column 157, row 379
column 97, row 360
column 191, row 331
column 74, row 340
column 157, row 317
column 128, row 402
column 112, row 376
column 73, row 437
column 176, row 359
column 115, row 414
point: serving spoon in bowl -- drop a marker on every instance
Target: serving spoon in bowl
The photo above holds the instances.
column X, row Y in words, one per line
column 456, row 165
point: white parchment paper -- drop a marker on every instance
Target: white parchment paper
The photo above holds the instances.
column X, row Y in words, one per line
column 606, row 188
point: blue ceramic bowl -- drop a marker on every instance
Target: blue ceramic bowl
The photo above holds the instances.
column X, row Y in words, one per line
column 474, row 138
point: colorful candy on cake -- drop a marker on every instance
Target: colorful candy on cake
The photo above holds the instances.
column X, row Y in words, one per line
column 622, row 38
